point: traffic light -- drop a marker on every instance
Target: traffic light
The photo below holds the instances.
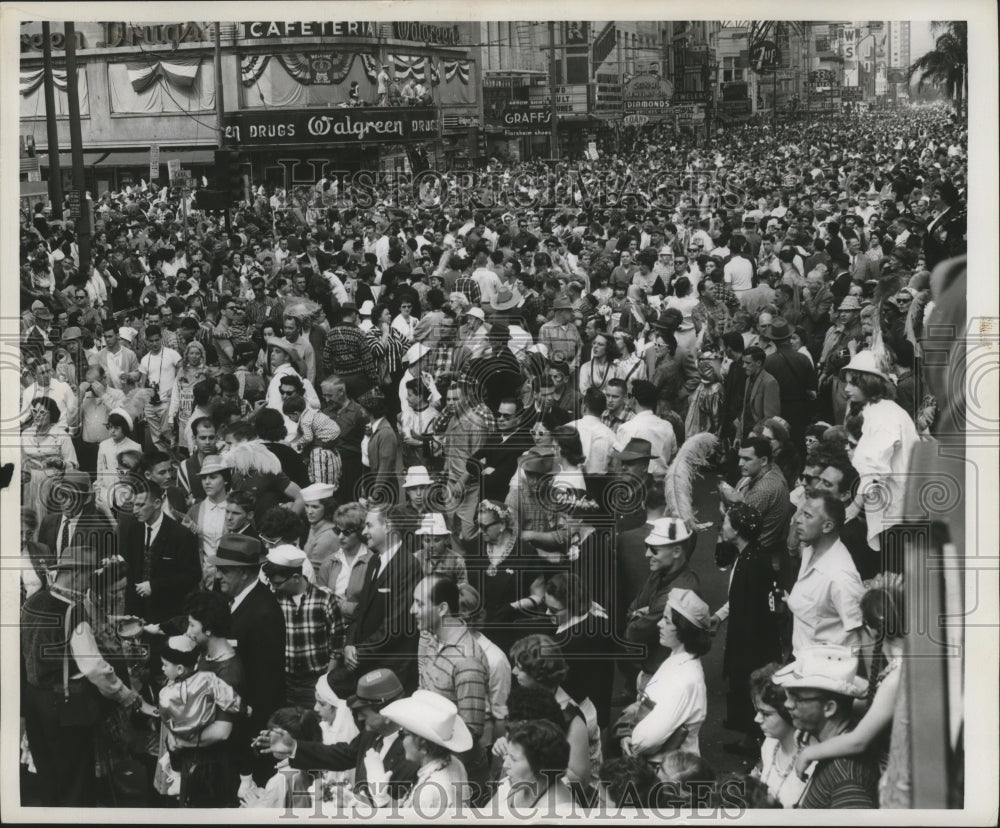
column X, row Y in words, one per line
column 211, row 201
column 229, row 174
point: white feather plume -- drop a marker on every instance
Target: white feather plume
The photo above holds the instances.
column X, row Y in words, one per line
column 678, row 485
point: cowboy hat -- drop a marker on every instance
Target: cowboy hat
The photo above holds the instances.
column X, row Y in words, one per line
column 213, row 465
column 505, row 299
column 636, row 449
column 432, row 717
column 828, row 667
column 284, row 345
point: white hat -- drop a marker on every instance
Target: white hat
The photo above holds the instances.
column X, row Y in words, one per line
column 417, row 476
column 666, row 531
column 828, row 667
column 865, row 362
column 416, row 351
column 367, row 308
column 476, row 312
column 127, row 333
column 432, row 717
column 317, row 492
column 284, row 554
column 687, row 603
column 121, row 412
column 433, row 524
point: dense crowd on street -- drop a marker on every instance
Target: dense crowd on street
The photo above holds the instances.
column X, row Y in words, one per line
column 391, row 505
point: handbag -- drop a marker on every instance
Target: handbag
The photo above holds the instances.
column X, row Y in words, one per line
column 635, row 713
column 79, row 705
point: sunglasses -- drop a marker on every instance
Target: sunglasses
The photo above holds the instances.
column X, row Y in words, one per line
column 482, row 525
column 344, row 532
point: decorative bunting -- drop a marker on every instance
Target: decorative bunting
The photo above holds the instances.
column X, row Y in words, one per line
column 179, row 72
column 410, row 66
column 370, row 65
column 460, row 68
column 252, row 67
column 30, row 81
column 307, row 68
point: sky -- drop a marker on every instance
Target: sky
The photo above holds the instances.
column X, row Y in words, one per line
column 921, row 39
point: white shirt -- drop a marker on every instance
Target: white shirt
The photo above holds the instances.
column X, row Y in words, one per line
column 407, row 327
column 499, row 678
column 738, row 274
column 660, row 433
column 241, row 596
column 678, row 692
column 489, row 283
column 826, row 600
column 386, row 556
column 211, row 525
column 597, row 440
column 161, row 368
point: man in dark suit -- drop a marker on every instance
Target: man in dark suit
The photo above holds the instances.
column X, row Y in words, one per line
column 761, row 395
column 496, row 375
column 385, row 460
column 500, row 452
column 77, row 522
column 258, row 625
column 161, row 558
column 375, row 690
column 383, row 633
column 796, row 378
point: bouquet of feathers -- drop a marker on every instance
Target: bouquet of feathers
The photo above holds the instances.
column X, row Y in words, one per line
column 251, row 457
column 678, row 485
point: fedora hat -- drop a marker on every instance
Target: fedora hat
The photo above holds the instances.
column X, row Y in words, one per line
column 828, row 667
column 417, row 476
column 239, row 550
column 375, row 689
column 562, row 303
column 71, row 333
column 433, row 524
column 636, row 449
column 849, row 303
column 779, row 330
column 505, row 299
column 42, row 313
column 666, row 531
column 213, row 465
column 432, row 717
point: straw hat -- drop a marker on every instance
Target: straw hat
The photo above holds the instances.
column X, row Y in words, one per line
column 828, row 667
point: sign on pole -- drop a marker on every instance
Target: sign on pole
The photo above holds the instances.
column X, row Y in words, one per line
column 174, row 168
column 75, row 198
column 154, row 162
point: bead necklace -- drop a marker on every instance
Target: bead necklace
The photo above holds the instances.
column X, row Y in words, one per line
column 782, row 775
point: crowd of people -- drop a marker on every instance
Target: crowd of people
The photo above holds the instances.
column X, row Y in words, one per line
column 394, row 505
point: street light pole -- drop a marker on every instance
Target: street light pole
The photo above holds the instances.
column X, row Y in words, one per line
column 76, row 144
column 552, row 91
column 51, row 128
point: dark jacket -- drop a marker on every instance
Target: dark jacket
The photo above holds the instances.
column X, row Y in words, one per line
column 92, row 529
column 752, row 631
column 348, row 755
column 174, row 570
column 383, row 631
column 258, row 625
column 501, row 456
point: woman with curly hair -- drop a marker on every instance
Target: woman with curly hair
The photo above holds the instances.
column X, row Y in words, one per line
column 781, row 746
column 537, row 756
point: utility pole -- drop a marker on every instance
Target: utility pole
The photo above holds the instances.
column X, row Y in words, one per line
column 52, row 130
column 220, row 110
column 552, row 90
column 76, row 144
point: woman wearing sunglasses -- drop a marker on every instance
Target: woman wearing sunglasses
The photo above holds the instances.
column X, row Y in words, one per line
column 343, row 573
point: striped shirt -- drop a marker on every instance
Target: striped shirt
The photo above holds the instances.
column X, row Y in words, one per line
column 314, row 630
column 845, row 782
column 459, row 672
column 348, row 351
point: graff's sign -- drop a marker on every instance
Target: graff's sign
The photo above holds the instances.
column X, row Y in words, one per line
column 311, row 126
column 167, row 34
column 427, row 33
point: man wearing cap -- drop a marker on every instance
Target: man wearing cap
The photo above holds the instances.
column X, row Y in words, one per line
column 648, row 426
column 821, row 688
column 835, row 354
column 115, row 358
column 258, row 626
column 560, row 336
column 36, row 339
column 375, row 691
column 419, row 359
column 64, row 677
column 796, row 378
column 669, row 544
column 314, row 628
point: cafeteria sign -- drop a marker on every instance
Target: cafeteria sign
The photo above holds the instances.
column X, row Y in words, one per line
column 324, row 126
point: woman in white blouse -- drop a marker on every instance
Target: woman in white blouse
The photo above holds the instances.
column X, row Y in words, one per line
column 781, row 746
column 675, row 697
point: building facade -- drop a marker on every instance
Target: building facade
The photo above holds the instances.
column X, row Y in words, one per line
column 296, row 95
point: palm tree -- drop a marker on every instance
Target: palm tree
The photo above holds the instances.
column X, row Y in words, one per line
column 947, row 64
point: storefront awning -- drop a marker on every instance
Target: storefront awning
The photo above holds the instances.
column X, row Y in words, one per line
column 132, row 158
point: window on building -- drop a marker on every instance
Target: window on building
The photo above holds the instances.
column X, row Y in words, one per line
column 729, row 70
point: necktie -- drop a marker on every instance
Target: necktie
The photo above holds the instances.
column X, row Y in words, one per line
column 147, row 554
column 64, row 535
column 376, row 563
column 378, row 743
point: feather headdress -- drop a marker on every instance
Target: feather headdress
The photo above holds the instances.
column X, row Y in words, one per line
column 252, row 457
column 678, row 485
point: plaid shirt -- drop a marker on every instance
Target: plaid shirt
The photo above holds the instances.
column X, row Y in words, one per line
column 612, row 421
column 444, row 360
column 347, row 351
column 314, row 630
column 257, row 311
column 470, row 287
column 459, row 672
